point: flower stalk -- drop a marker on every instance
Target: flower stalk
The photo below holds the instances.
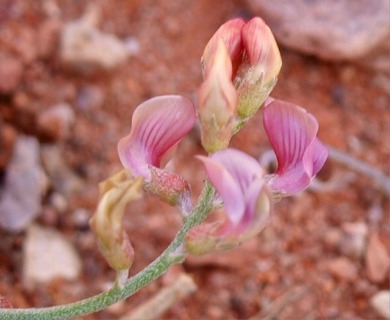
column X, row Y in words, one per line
column 135, row 283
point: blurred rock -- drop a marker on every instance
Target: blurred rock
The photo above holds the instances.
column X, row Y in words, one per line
column 377, row 260
column 55, row 123
column 343, row 269
column 354, row 240
column 81, row 217
column 64, row 180
column 132, row 45
column 380, row 302
column 48, row 37
column 375, row 213
column 7, row 140
column 26, row 45
column 332, row 238
column 11, row 70
column 24, row 186
column 165, row 299
column 89, row 97
column 86, row 49
column 332, row 30
column 48, row 255
column 59, row 202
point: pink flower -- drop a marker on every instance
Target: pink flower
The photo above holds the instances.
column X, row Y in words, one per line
column 158, row 125
column 239, row 181
column 293, row 135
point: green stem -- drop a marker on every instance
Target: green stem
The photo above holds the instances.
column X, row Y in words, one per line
column 135, row 283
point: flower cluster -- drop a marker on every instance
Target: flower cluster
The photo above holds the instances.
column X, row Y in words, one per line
column 240, row 66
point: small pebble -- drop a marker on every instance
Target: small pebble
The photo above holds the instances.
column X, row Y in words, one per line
column 11, row 70
column 48, row 255
column 343, row 269
column 25, row 184
column 55, row 123
column 380, row 302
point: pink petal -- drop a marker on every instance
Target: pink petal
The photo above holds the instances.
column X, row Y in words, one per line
column 158, row 125
column 292, row 133
column 230, row 33
column 227, row 188
column 259, row 202
column 217, row 94
column 238, row 178
column 217, row 100
column 251, row 198
column 320, row 156
column 242, row 167
column 261, row 48
column 232, row 173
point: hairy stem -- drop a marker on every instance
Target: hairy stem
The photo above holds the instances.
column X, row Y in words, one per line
column 135, row 283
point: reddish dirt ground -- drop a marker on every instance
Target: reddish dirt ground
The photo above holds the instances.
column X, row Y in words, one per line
column 296, row 250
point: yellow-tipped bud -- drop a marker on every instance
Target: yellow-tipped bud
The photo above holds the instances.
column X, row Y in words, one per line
column 116, row 192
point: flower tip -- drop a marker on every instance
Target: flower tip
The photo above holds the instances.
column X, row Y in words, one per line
column 262, row 48
column 230, row 34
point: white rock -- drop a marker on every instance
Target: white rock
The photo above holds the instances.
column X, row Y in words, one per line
column 334, row 30
column 343, row 269
column 25, row 184
column 48, row 255
column 63, row 179
column 354, row 239
column 87, row 49
column 377, row 259
column 380, row 302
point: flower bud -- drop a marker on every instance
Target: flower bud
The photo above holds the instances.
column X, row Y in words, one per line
column 258, row 72
column 255, row 63
column 230, row 34
column 116, row 192
column 217, row 99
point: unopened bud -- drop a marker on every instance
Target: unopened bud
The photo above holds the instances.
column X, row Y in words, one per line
column 230, row 34
column 261, row 65
column 217, row 102
column 116, row 193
